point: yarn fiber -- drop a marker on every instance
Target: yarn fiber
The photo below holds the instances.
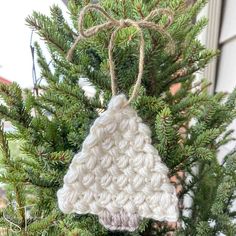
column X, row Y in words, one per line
column 118, row 175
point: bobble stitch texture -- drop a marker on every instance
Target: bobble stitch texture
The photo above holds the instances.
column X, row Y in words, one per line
column 118, row 175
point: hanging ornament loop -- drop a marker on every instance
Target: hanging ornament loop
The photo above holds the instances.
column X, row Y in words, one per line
column 120, row 24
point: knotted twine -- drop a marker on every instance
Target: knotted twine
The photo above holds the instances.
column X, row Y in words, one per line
column 118, row 175
column 120, row 24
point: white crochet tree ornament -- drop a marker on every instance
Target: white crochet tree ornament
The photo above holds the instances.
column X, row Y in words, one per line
column 118, row 175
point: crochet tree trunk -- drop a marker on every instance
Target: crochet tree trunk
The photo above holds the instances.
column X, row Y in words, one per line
column 188, row 125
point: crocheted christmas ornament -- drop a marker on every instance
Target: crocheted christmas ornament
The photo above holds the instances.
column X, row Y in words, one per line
column 118, row 175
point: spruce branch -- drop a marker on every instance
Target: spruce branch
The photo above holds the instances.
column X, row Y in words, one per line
column 14, row 110
column 4, row 145
column 10, row 166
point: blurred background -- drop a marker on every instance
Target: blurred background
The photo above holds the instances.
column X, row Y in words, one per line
column 15, row 52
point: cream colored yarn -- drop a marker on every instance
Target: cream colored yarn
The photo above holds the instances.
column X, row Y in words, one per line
column 118, row 175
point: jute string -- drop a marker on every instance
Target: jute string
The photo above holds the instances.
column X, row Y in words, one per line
column 120, row 24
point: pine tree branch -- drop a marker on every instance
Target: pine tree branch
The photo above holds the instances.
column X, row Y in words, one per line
column 18, row 190
column 4, row 146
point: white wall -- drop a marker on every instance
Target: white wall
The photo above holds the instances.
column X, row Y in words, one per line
column 15, row 55
column 226, row 78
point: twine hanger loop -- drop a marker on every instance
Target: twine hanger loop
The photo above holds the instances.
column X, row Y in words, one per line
column 118, row 25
